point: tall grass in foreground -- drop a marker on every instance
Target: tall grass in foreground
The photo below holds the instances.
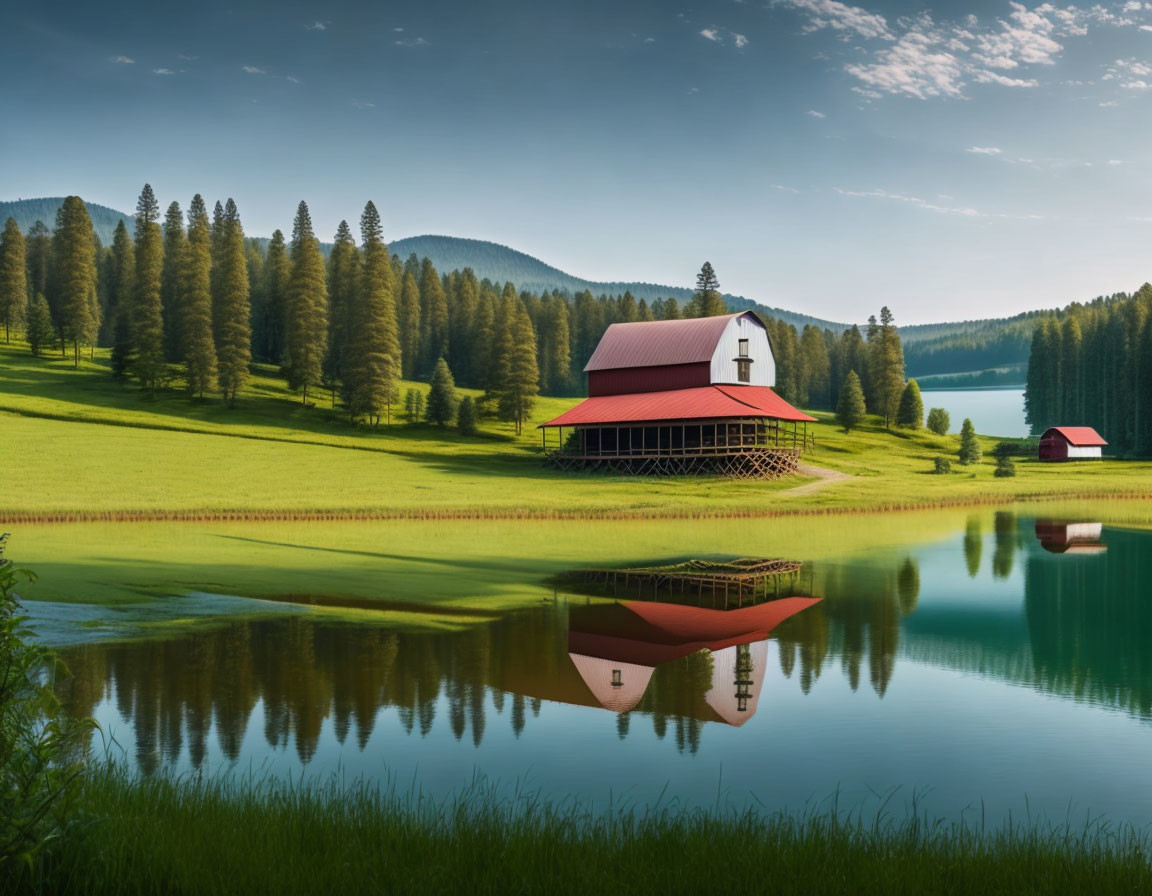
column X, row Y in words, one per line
column 224, row 835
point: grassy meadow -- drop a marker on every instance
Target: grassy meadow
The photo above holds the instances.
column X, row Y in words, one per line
column 77, row 443
column 157, row 834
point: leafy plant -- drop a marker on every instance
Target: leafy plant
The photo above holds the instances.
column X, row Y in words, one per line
column 943, row 465
column 41, row 752
column 1005, row 467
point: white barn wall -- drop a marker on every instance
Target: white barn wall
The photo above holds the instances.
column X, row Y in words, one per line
column 1078, row 451
column 728, row 348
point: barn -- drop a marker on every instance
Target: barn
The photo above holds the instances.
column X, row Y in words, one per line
column 682, row 397
column 1071, row 443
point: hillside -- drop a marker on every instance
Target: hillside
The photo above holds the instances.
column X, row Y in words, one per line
column 501, row 264
column 28, row 211
column 930, row 349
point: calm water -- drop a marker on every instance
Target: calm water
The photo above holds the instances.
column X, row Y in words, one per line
column 1011, row 666
column 994, row 412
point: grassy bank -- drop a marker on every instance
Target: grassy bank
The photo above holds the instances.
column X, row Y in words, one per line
column 81, row 446
column 228, row 836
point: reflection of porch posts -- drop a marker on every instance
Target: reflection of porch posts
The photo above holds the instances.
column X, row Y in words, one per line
column 743, row 680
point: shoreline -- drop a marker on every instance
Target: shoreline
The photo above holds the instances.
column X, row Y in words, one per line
column 343, row 515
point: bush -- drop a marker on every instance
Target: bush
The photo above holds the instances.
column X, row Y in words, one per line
column 40, row 749
column 1005, row 467
column 910, row 414
column 943, row 465
column 939, row 422
column 969, row 446
column 1008, row 449
column 466, row 416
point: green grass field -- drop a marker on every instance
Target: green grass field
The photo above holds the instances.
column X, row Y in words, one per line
column 77, row 442
column 193, row 835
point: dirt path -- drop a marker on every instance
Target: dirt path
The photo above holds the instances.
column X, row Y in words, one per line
column 825, row 478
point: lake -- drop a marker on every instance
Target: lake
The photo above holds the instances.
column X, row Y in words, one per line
column 979, row 664
column 994, row 412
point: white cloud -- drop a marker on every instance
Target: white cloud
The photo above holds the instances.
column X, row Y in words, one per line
column 363, row 104
column 740, row 40
column 984, row 150
column 292, row 79
column 927, row 205
column 398, row 30
column 411, row 42
column 923, row 58
column 723, row 35
column 693, row 90
column 711, row 34
column 163, row 71
column 850, row 21
column 186, row 58
column 784, row 189
column 649, row 40
column 318, row 26
column 123, row 60
column 253, row 70
column 815, row 114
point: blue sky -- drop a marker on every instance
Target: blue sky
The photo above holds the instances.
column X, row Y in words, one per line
column 949, row 160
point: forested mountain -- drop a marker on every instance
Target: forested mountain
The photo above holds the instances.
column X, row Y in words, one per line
column 28, row 211
column 501, row 264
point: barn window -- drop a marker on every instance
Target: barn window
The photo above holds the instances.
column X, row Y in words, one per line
column 743, row 348
column 616, row 682
column 744, row 369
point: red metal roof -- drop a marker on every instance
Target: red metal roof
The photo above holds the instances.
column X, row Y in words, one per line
column 656, row 343
column 1080, row 436
column 700, row 403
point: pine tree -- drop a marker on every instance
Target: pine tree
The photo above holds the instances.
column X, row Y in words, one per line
column 343, row 282
column 197, row 345
column 850, row 409
column 466, row 416
column 433, row 317
column 939, row 421
column 911, row 411
column 307, row 320
column 13, row 277
column 170, row 277
column 75, row 275
column 409, row 323
column 885, row 365
column 373, row 369
column 814, row 355
column 671, row 310
column 41, row 332
column 38, row 248
column 522, row 376
column 122, row 300
column 147, row 321
column 709, row 301
column 969, row 446
column 231, row 311
column 442, row 400
column 274, row 292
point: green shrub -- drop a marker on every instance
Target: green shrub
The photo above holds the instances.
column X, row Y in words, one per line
column 40, row 749
column 943, row 465
column 938, row 421
column 1005, row 467
column 969, row 447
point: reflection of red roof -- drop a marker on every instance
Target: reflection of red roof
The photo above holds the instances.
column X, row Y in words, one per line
column 700, row 403
column 649, row 634
column 657, row 343
column 1080, row 436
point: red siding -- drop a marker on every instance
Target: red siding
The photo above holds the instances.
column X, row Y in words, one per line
column 629, row 380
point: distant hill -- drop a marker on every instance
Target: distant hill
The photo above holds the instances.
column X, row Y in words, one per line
column 501, row 264
column 930, row 349
column 28, row 211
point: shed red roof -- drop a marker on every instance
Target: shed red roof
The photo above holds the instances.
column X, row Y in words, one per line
column 657, row 343
column 700, row 403
column 1080, row 436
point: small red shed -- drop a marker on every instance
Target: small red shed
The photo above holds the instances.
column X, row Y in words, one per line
column 1071, row 443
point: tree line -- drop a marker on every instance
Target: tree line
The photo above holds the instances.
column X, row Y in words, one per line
column 1092, row 366
column 186, row 296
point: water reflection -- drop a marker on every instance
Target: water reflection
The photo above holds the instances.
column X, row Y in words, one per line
column 1070, row 538
column 1079, row 629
